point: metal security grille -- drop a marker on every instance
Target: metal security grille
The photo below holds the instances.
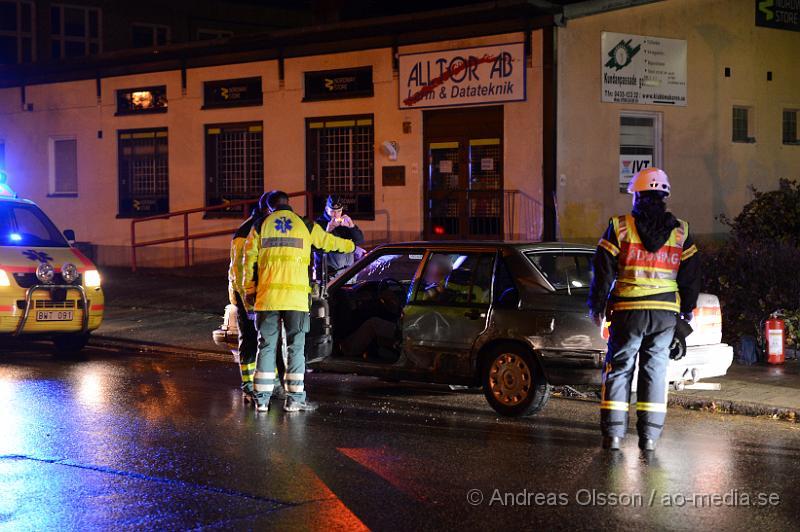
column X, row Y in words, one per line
column 740, row 125
column 234, row 164
column 790, row 126
column 143, row 172
column 341, row 161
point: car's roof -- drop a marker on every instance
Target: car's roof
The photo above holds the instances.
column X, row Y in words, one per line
column 15, row 200
column 519, row 245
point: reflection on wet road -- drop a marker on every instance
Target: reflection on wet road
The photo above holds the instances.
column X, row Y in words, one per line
column 133, row 442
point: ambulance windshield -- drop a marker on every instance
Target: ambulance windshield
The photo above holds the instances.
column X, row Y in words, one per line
column 26, row 225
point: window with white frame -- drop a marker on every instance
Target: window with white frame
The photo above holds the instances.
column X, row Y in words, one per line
column 17, row 42
column 149, row 35
column 63, row 166
column 639, row 144
column 74, row 31
column 790, row 127
column 205, row 34
column 742, row 124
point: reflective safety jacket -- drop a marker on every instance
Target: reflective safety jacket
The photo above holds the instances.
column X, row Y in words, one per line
column 276, row 259
column 665, row 279
column 236, row 268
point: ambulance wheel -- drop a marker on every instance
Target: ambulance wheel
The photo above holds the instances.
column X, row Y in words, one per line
column 513, row 382
column 70, row 344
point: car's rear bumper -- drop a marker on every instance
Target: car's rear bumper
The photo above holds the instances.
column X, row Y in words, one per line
column 701, row 362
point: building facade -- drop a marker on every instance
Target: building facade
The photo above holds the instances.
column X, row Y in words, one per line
column 737, row 126
column 424, row 138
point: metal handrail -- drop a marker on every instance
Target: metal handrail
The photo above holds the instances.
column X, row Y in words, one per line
column 527, row 210
column 187, row 237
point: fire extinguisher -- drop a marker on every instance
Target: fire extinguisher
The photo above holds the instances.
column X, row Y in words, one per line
column 774, row 334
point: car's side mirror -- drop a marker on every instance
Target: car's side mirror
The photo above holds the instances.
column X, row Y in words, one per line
column 69, row 234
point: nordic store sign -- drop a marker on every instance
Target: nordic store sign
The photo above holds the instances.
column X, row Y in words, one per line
column 462, row 77
column 646, row 70
column 780, row 14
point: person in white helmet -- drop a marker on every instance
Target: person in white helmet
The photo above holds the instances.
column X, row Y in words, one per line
column 646, row 275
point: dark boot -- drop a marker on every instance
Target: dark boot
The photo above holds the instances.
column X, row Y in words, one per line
column 612, row 443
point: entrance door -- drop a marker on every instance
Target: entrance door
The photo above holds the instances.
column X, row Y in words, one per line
column 464, row 174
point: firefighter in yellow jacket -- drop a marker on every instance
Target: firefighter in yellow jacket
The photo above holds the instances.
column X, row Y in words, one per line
column 649, row 264
column 276, row 281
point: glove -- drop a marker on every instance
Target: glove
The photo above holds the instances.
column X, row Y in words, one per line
column 686, row 316
column 597, row 317
column 249, row 301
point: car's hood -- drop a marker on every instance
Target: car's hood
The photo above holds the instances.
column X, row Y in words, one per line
column 26, row 259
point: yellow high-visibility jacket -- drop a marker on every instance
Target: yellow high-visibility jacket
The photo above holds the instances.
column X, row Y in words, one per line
column 236, row 268
column 276, row 258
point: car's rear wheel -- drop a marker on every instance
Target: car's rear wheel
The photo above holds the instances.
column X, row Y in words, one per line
column 513, row 382
column 70, row 344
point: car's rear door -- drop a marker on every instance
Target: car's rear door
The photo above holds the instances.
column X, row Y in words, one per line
column 440, row 325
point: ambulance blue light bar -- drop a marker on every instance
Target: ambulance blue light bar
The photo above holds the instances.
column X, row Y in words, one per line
column 5, row 190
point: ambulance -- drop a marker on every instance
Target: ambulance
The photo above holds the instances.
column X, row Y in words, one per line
column 48, row 289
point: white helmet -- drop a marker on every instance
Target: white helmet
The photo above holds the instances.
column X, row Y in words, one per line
column 649, row 179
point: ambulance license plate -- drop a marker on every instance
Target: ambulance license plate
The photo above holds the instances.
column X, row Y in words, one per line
column 54, row 315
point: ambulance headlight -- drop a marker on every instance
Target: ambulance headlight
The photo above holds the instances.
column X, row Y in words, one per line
column 69, row 273
column 4, row 280
column 91, row 278
column 45, row 273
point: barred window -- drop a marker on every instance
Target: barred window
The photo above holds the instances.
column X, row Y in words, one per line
column 790, row 126
column 741, row 125
column 234, row 164
column 341, row 161
column 143, row 172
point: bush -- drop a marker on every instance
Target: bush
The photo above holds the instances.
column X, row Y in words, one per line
column 756, row 271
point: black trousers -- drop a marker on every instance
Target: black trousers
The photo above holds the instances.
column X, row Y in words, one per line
column 646, row 333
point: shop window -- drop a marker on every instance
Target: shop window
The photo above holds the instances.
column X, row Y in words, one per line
column 142, row 100
column 74, row 31
column 340, row 160
column 204, row 34
column 639, row 144
column 234, row 165
column 143, row 172
column 790, row 127
column 742, row 124
column 16, row 32
column 149, row 35
column 63, row 167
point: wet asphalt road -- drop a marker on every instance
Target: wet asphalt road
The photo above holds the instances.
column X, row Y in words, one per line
column 123, row 442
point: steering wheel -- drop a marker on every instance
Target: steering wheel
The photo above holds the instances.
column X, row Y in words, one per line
column 384, row 285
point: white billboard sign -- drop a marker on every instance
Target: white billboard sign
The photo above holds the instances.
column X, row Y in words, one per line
column 643, row 70
column 486, row 74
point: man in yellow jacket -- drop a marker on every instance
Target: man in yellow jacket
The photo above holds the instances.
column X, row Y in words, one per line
column 276, row 281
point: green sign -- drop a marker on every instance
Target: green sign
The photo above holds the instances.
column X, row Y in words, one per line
column 779, row 14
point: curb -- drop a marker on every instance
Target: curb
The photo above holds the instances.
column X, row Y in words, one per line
column 157, row 348
column 703, row 404
column 723, row 406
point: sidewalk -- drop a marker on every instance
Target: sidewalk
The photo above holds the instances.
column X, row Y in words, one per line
column 175, row 311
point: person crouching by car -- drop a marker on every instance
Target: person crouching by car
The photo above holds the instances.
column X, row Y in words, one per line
column 333, row 220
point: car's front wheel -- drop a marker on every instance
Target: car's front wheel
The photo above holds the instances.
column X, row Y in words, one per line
column 70, row 344
column 513, row 383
